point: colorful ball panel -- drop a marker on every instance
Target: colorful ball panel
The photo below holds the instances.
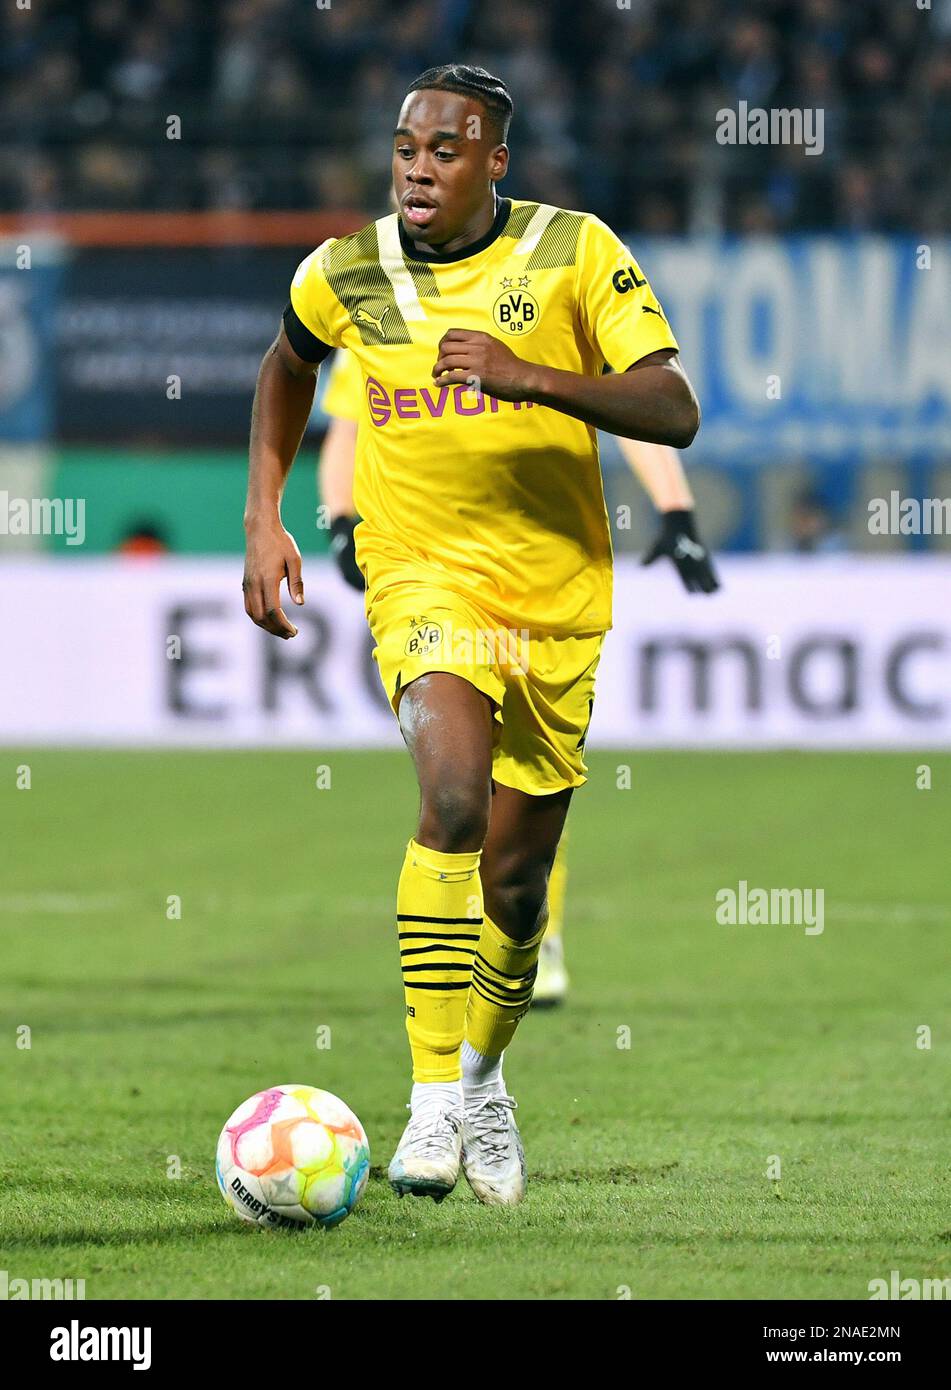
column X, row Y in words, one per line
column 293, row 1155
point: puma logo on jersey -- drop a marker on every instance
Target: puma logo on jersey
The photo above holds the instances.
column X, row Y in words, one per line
column 362, row 316
column 646, row 309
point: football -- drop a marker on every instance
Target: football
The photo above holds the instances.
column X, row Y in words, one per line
column 293, row 1156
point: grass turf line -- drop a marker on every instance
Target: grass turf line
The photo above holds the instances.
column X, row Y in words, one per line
column 647, row 1165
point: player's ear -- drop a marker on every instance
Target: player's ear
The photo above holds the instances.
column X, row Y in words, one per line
column 499, row 163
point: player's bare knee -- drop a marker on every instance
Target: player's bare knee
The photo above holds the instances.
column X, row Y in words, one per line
column 454, row 818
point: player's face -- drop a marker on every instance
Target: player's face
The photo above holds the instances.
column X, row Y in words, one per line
column 444, row 164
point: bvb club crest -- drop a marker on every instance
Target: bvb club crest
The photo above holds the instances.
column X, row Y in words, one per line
column 516, row 312
column 424, row 638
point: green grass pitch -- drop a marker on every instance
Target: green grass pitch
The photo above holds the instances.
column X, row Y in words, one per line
column 648, row 1163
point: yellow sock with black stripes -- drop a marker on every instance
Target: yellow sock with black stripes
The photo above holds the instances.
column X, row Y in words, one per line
column 439, row 915
column 503, row 976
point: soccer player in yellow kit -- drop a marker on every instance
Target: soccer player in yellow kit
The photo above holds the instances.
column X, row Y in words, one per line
column 482, row 326
column 662, row 476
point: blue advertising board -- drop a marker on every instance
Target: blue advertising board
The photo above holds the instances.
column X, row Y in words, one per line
column 825, row 346
column 30, row 279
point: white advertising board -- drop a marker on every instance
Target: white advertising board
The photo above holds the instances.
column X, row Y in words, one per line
column 848, row 652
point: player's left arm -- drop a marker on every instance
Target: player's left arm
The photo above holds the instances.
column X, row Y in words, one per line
column 648, row 395
column 661, row 474
column 652, row 400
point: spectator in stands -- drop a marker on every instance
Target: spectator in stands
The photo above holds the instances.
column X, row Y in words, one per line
column 618, row 105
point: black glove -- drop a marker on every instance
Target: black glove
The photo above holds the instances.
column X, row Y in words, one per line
column 344, row 551
column 678, row 539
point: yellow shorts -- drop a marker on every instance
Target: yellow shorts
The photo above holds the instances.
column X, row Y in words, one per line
column 542, row 687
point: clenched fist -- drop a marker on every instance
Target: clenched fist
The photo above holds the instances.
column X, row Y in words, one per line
column 484, row 363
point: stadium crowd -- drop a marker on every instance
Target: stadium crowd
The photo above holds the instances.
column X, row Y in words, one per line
column 289, row 104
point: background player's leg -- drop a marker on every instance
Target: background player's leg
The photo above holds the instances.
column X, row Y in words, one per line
column 551, row 982
column 447, row 726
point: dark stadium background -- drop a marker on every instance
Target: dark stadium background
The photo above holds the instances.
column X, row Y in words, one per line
column 160, row 255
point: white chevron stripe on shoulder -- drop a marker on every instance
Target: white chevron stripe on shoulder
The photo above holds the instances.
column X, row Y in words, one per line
column 533, row 231
column 396, row 270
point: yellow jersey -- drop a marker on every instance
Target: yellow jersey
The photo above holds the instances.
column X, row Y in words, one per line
column 499, row 501
column 343, row 398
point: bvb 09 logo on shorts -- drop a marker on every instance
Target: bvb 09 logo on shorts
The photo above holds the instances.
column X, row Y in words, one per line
column 424, row 638
column 516, row 312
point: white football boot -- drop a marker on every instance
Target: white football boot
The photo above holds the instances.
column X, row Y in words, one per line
column 493, row 1159
column 427, row 1158
column 551, row 981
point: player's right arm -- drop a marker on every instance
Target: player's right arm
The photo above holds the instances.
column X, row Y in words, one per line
column 283, row 400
